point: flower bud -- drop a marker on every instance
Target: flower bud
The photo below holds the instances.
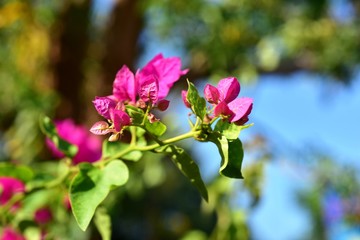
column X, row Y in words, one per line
column 184, row 98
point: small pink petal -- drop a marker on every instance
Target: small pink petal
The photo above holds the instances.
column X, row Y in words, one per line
column 184, row 98
column 222, row 109
column 100, row 128
column 163, row 105
column 149, row 88
column 211, row 94
column 120, row 119
column 229, row 89
column 124, row 87
column 241, row 107
column 102, row 106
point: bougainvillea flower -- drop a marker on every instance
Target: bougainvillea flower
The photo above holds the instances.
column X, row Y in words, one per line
column 151, row 83
column 120, row 119
column 125, row 86
column 166, row 70
column 89, row 146
column 224, row 97
column 9, row 233
column 9, row 186
column 103, row 106
column 43, row 215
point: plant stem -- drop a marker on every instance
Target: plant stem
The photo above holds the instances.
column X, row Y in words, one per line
column 153, row 146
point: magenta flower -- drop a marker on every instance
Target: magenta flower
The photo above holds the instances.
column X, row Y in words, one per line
column 43, row 215
column 148, row 87
column 151, row 83
column 224, row 98
column 89, row 146
column 9, row 186
column 115, row 115
column 10, row 234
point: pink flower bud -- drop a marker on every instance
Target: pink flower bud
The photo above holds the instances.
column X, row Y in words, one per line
column 43, row 215
column 120, row 119
column 184, row 98
column 211, row 94
column 100, row 128
column 163, row 105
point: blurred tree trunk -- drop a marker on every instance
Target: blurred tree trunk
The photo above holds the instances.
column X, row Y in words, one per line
column 121, row 41
column 69, row 50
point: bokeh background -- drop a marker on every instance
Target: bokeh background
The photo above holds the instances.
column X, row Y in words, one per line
column 298, row 60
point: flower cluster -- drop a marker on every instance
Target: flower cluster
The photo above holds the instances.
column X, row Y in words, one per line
column 10, row 187
column 224, row 100
column 89, row 146
column 146, row 89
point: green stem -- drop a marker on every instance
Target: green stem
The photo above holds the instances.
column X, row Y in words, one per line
column 133, row 136
column 153, row 146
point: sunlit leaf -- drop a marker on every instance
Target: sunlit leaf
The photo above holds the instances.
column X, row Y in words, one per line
column 198, row 104
column 156, row 128
column 91, row 186
column 230, row 130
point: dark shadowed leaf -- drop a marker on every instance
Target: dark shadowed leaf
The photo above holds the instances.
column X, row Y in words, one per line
column 232, row 154
column 188, row 167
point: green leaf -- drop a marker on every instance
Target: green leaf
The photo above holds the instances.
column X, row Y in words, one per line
column 136, row 114
column 49, row 129
column 230, row 130
column 156, row 128
column 198, row 104
column 103, row 223
column 232, row 154
column 188, row 167
column 20, row 172
column 91, row 186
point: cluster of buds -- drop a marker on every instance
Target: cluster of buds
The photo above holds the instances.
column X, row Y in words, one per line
column 145, row 90
column 225, row 102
